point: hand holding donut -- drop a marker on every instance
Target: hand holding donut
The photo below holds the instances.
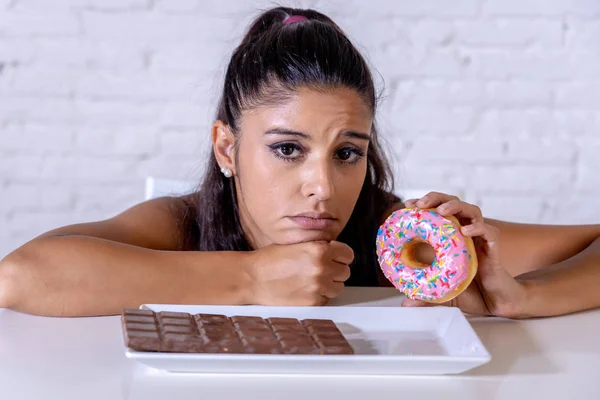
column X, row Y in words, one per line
column 492, row 291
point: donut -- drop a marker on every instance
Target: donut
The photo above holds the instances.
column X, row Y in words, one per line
column 453, row 268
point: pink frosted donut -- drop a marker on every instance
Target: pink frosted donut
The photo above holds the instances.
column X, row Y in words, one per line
column 453, row 268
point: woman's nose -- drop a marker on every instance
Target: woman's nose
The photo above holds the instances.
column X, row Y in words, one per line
column 318, row 182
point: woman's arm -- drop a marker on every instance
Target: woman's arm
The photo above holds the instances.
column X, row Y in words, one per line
column 528, row 247
column 134, row 258
column 83, row 276
column 559, row 265
column 99, row 268
column 526, row 270
column 565, row 287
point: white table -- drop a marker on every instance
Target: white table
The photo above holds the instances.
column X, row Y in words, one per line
column 83, row 358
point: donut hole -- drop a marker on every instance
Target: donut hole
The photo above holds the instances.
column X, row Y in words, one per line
column 417, row 254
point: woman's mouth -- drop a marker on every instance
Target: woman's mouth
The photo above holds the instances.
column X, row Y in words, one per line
column 314, row 220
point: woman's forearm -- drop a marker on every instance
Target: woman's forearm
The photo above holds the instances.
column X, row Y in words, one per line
column 82, row 276
column 566, row 287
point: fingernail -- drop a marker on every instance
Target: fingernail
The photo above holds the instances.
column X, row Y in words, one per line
column 442, row 209
column 422, row 201
column 467, row 229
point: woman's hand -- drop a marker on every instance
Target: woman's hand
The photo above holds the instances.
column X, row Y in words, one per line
column 301, row 274
column 493, row 291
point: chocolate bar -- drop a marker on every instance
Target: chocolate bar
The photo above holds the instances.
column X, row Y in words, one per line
column 176, row 332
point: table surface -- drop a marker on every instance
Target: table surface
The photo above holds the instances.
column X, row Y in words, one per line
column 83, row 358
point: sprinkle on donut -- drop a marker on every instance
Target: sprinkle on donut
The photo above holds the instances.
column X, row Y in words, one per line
column 451, row 270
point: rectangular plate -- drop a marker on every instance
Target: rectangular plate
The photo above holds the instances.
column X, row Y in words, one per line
column 386, row 340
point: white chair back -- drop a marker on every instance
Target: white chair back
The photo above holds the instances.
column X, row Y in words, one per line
column 156, row 187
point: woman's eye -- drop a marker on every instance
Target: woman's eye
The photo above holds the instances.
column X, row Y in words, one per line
column 294, row 152
column 349, row 155
column 287, row 149
column 345, row 154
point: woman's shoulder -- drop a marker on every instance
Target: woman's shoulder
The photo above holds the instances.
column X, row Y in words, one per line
column 164, row 223
column 158, row 224
column 390, row 203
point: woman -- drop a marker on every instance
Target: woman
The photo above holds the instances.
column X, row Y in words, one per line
column 287, row 214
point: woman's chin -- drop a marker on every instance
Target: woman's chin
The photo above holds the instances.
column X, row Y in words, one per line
column 305, row 236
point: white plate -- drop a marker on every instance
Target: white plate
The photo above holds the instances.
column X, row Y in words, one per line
column 386, row 340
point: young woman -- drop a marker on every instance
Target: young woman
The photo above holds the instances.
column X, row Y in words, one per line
column 295, row 189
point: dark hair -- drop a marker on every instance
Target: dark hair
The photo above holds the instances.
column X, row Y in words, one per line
column 272, row 62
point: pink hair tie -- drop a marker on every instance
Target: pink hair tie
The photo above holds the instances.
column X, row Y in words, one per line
column 294, row 18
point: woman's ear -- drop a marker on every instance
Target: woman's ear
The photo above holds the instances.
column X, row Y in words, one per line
column 223, row 145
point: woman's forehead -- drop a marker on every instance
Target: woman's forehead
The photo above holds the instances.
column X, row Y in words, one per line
column 317, row 110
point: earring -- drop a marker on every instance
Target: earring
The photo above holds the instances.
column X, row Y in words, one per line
column 226, row 172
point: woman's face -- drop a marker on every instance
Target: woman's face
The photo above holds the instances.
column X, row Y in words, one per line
column 301, row 166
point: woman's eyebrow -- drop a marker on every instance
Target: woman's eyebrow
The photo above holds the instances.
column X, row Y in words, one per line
column 287, row 132
column 356, row 135
column 351, row 134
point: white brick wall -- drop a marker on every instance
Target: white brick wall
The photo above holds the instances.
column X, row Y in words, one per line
column 497, row 101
